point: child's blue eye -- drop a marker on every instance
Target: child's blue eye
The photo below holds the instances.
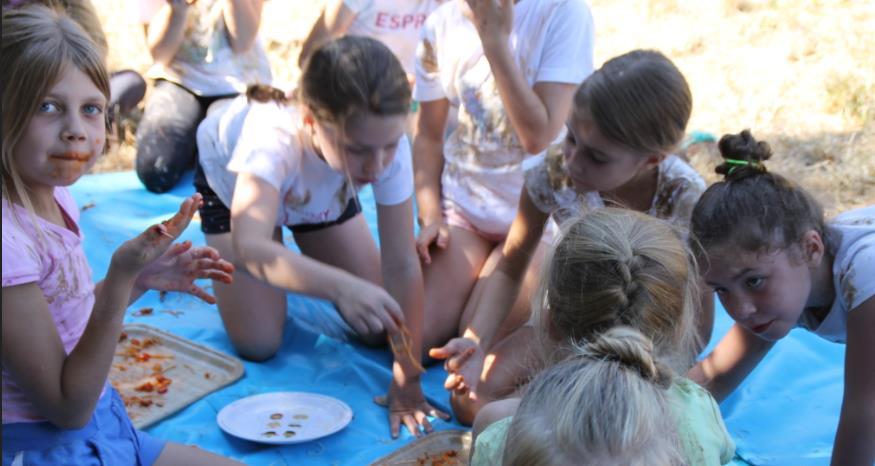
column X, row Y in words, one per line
column 754, row 282
column 92, row 109
column 48, row 107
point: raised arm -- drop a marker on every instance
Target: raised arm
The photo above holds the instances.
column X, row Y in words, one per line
column 332, row 23
column 428, row 164
column 253, row 217
column 731, row 361
column 166, row 31
column 64, row 388
column 242, row 18
column 853, row 444
column 537, row 113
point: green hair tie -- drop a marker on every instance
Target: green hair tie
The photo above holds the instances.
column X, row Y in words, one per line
column 740, row 163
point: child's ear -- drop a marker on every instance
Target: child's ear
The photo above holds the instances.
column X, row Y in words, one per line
column 654, row 160
column 307, row 116
column 813, row 248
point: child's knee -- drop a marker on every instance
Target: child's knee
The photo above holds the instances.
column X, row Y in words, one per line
column 465, row 407
column 257, row 351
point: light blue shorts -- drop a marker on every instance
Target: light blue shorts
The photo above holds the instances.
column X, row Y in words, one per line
column 108, row 439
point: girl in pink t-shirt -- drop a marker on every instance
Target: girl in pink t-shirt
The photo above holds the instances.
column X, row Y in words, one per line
column 57, row 407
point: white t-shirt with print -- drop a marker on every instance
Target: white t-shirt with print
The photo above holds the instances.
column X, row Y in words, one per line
column 205, row 63
column 396, row 23
column 265, row 139
column 678, row 188
column 552, row 41
column 853, row 273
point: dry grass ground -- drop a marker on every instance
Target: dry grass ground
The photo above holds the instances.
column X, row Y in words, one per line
column 799, row 74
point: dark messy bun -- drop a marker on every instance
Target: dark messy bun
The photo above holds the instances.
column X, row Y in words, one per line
column 753, row 209
column 743, row 155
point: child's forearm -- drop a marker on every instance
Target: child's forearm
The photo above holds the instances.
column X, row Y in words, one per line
column 726, row 367
column 166, row 31
column 428, row 165
column 136, row 292
column 86, row 368
column 528, row 114
column 499, row 295
column 242, row 18
column 403, row 281
column 854, row 444
column 281, row 267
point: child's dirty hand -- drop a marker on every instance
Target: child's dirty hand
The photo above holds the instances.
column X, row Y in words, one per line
column 407, row 405
column 437, row 233
column 368, row 308
column 180, row 266
column 464, row 360
column 137, row 253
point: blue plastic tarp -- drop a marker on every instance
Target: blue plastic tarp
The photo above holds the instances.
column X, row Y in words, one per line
column 786, row 413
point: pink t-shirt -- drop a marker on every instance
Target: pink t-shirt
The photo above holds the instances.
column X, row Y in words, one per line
column 56, row 263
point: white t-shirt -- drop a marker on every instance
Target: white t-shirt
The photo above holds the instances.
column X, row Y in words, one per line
column 205, row 63
column 552, row 41
column 265, row 139
column 853, row 273
column 678, row 188
column 396, row 23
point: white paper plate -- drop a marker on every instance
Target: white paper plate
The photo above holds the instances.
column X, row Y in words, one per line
column 307, row 416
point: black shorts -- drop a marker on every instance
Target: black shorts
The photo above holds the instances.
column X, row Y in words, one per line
column 216, row 217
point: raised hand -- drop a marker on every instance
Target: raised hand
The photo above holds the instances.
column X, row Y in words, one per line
column 137, row 253
column 180, row 266
column 492, row 18
column 464, row 360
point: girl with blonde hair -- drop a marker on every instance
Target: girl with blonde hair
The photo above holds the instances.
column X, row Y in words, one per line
column 620, row 268
column 606, row 405
column 60, row 329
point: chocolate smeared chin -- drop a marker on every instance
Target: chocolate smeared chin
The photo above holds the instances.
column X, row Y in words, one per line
column 73, row 156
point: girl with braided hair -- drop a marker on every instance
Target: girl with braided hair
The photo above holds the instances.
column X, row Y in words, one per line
column 616, row 268
column 777, row 265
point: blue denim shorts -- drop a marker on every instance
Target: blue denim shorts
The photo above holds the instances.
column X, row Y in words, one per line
column 108, row 439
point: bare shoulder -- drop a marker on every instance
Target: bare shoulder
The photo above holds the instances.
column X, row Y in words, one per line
column 494, row 412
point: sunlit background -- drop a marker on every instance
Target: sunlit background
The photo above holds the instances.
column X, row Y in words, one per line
column 799, row 74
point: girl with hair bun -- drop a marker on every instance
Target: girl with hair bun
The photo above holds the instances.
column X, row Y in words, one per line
column 614, row 275
column 607, row 404
column 776, row 265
